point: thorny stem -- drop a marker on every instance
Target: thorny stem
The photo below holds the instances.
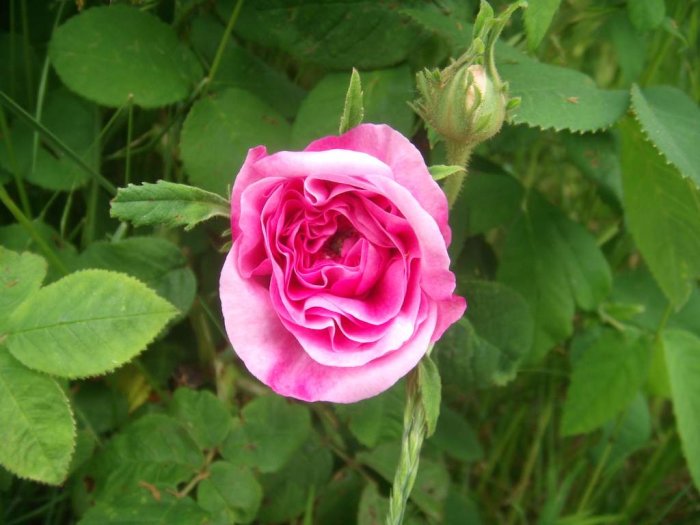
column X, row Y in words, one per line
column 414, row 430
column 457, row 155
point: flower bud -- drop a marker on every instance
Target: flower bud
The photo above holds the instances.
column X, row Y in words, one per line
column 466, row 108
column 466, row 102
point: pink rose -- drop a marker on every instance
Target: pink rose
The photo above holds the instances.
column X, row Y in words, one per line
column 338, row 279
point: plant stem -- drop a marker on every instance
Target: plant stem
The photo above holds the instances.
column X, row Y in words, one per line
column 222, row 45
column 5, row 132
column 414, row 429
column 129, row 135
column 457, row 155
column 29, row 227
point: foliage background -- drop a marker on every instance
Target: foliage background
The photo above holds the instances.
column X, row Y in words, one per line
column 571, row 387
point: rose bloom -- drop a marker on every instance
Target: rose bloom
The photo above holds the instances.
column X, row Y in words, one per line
column 338, row 278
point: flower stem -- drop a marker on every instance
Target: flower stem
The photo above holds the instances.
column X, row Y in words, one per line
column 457, row 155
column 414, row 429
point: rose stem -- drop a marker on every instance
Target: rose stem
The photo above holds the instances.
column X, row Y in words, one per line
column 414, row 428
column 457, row 155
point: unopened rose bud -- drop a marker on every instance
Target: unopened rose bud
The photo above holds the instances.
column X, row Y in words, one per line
column 468, row 108
column 466, row 102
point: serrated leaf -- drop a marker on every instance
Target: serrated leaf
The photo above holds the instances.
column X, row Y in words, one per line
column 218, row 132
column 385, row 96
column 157, row 262
column 430, row 389
column 87, row 323
column 268, row 434
column 485, row 347
column 203, row 414
column 230, row 492
column 353, row 110
column 155, row 449
column 671, row 120
column 682, row 351
column 142, row 508
column 21, row 275
column 555, row 264
column 561, row 98
column 168, row 204
column 37, row 430
column 131, row 54
column 605, row 380
column 538, row 17
column 646, row 14
column 662, row 211
column 359, row 29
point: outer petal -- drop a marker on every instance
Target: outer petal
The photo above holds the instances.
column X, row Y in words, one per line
column 406, row 163
column 275, row 357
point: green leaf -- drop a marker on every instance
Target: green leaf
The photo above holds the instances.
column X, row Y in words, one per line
column 538, row 17
column 671, row 119
column 359, row 31
column 19, row 69
column 662, row 211
column 560, row 98
column 682, row 350
column 16, row 238
column 168, row 204
column 286, row 492
column 155, row 449
column 132, row 54
column 104, row 408
column 385, row 96
column 218, row 132
column 158, row 263
column 491, row 200
column 646, row 14
column 485, row 347
column 143, row 508
column 605, row 380
column 339, row 498
column 430, row 389
column 456, row 437
column 203, row 414
column 75, row 122
column 230, row 492
column 377, row 419
column 373, row 506
column 625, row 435
column 268, row 435
column 353, row 111
column 21, row 275
column 36, row 423
column 88, row 323
column 597, row 156
column 241, row 68
column 440, row 171
column 555, row 264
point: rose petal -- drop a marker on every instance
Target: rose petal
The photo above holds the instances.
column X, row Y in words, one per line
column 273, row 355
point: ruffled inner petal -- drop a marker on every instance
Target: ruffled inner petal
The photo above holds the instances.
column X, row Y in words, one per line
column 342, row 263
